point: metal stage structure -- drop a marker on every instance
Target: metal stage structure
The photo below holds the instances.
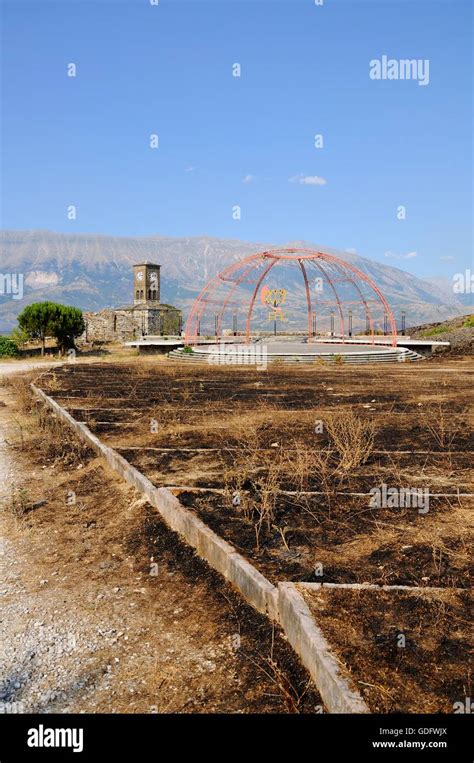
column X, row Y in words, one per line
column 336, row 293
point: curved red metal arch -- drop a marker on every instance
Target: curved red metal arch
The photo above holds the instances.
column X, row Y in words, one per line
column 308, row 300
column 300, row 255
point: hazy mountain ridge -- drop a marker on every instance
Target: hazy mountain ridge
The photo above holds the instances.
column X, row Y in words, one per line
column 95, row 271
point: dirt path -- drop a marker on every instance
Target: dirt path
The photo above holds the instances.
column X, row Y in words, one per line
column 103, row 608
column 23, row 366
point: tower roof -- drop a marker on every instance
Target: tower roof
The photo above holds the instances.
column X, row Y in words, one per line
column 141, row 264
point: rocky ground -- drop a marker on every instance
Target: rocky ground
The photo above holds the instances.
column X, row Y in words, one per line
column 457, row 332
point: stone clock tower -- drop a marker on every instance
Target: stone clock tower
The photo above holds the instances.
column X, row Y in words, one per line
column 146, row 318
column 146, row 284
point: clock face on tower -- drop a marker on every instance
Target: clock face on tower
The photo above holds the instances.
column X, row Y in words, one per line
column 139, row 276
column 153, row 276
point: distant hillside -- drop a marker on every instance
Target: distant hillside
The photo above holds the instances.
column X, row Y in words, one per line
column 94, row 271
column 459, row 332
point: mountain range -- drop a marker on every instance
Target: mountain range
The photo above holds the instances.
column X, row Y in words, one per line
column 94, row 271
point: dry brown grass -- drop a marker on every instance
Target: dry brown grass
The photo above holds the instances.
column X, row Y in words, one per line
column 253, row 476
column 442, row 426
column 257, row 474
column 263, row 423
column 266, row 488
column 17, row 502
column 352, row 437
column 38, row 425
column 291, row 695
column 58, row 442
column 25, row 401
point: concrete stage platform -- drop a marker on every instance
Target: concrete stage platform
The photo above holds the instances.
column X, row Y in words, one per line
column 264, row 352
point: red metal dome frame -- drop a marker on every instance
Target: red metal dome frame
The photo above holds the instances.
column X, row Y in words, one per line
column 267, row 260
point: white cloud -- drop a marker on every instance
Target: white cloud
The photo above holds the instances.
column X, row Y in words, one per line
column 190, row 168
column 351, row 250
column 248, row 179
column 308, row 180
column 407, row 256
column 447, row 258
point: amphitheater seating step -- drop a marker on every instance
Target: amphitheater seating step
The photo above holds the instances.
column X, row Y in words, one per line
column 353, row 359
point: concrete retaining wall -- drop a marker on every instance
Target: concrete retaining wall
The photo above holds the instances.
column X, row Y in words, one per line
column 284, row 604
column 310, row 644
column 221, row 556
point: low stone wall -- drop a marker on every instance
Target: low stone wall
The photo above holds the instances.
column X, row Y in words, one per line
column 126, row 324
column 223, row 557
column 110, row 326
column 315, row 653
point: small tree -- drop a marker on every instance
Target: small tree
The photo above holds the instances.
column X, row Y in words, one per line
column 42, row 319
column 66, row 326
column 8, row 348
column 36, row 320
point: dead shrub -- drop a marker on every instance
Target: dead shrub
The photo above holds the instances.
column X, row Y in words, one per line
column 291, row 695
column 439, row 423
column 352, row 438
column 266, row 488
column 253, row 480
column 238, row 478
column 311, row 469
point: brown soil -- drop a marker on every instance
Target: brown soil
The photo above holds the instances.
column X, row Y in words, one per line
column 428, row 674
column 350, row 543
column 90, row 625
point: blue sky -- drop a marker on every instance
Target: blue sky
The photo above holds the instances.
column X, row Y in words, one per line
column 167, row 69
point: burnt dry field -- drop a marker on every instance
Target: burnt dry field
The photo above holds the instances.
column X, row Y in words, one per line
column 281, row 462
column 90, row 623
column 405, row 651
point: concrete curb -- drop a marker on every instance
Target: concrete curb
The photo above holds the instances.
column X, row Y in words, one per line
column 310, row 644
column 220, row 555
column 284, row 605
